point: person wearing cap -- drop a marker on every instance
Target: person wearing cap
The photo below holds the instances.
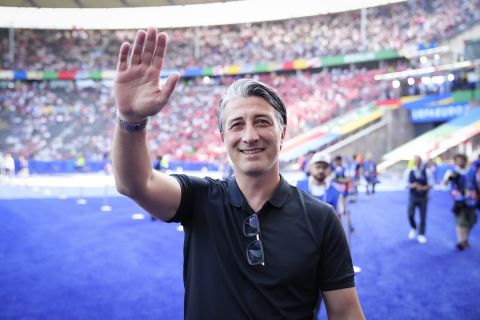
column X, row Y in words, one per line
column 255, row 246
column 319, row 183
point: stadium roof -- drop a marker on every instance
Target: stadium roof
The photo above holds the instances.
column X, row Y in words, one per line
column 126, row 14
column 100, row 4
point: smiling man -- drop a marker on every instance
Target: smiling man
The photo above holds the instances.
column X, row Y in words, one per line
column 255, row 246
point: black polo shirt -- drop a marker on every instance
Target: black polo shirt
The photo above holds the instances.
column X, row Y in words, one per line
column 304, row 245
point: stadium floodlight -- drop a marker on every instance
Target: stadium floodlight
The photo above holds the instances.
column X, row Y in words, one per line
column 396, row 84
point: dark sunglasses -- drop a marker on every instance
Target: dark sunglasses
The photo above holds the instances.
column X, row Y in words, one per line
column 251, row 228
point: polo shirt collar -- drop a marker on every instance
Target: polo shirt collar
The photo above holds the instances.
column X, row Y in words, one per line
column 278, row 198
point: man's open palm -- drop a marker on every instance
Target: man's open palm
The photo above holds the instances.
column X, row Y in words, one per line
column 137, row 84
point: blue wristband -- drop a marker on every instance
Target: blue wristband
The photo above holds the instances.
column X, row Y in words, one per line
column 132, row 126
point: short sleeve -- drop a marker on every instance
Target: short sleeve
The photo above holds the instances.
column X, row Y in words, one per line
column 335, row 268
column 192, row 188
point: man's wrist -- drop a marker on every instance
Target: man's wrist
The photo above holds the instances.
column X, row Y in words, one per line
column 131, row 126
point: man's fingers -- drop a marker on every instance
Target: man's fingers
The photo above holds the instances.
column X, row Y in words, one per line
column 123, row 57
column 168, row 88
column 149, row 49
column 160, row 51
column 136, row 57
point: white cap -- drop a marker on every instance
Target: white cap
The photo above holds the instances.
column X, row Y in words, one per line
column 320, row 157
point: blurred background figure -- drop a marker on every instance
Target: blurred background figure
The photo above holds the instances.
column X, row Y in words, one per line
column 160, row 163
column 464, row 193
column 9, row 165
column 23, row 170
column 342, row 182
column 319, row 182
column 370, row 173
column 419, row 183
column 355, row 173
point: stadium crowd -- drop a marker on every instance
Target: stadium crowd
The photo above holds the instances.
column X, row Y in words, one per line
column 56, row 120
column 63, row 120
column 391, row 26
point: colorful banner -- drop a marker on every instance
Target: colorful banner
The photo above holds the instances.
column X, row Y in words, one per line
column 438, row 113
column 298, row 64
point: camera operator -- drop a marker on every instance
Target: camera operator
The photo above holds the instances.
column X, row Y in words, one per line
column 462, row 190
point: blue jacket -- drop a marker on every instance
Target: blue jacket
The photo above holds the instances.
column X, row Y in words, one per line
column 331, row 195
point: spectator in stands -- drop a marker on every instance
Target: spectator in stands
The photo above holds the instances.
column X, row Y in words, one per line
column 78, row 125
column 419, row 184
column 224, row 245
column 408, row 24
column 464, row 194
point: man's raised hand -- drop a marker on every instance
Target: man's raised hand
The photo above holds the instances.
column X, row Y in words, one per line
column 137, row 84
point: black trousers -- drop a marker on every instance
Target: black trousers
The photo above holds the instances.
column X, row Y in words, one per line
column 421, row 204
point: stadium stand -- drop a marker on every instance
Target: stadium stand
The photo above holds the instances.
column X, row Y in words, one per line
column 418, row 23
column 62, row 120
column 64, row 116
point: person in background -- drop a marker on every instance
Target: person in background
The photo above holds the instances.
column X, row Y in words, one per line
column 370, row 174
column 342, row 183
column 319, row 184
column 2, row 164
column 419, row 184
column 431, row 167
column 354, row 172
column 23, row 169
column 464, row 192
column 160, row 163
column 9, row 165
column 81, row 164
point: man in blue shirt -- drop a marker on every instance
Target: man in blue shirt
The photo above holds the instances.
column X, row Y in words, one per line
column 319, row 183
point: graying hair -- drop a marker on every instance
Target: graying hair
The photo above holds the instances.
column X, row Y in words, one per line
column 244, row 88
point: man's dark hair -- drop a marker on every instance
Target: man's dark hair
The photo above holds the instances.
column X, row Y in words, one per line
column 244, row 88
column 460, row 156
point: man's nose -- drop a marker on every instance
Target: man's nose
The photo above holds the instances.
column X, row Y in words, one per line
column 250, row 134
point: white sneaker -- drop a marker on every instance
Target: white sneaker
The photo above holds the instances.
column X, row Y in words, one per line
column 412, row 234
column 422, row 239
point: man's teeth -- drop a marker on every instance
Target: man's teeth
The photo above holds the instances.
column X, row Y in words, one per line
column 252, row 151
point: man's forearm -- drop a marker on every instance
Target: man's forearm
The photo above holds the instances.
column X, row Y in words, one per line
column 131, row 161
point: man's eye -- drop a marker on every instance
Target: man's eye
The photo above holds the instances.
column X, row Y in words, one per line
column 263, row 122
column 236, row 125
